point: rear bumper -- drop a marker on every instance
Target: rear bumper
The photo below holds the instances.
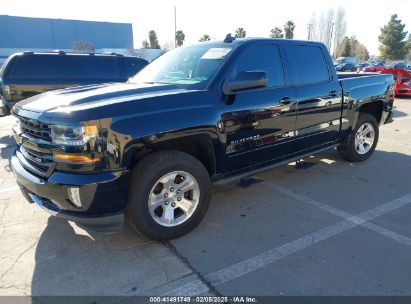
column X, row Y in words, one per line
column 101, row 195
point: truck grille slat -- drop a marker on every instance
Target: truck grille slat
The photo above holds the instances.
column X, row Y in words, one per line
column 34, row 128
column 37, row 162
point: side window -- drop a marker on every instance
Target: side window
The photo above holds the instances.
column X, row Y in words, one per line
column 46, row 67
column 262, row 58
column 101, row 67
column 133, row 65
column 307, row 64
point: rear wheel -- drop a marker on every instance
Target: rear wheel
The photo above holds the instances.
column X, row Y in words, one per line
column 363, row 139
column 169, row 195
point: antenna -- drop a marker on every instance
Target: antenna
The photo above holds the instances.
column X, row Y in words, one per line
column 229, row 38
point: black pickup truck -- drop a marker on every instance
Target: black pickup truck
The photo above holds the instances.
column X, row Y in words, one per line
column 209, row 113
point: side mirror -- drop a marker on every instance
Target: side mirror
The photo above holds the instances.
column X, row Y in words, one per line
column 244, row 81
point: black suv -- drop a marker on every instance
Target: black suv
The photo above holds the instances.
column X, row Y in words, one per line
column 27, row 74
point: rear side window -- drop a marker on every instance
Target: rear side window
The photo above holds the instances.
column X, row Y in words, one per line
column 46, row 66
column 262, row 58
column 307, row 64
column 101, row 67
column 133, row 65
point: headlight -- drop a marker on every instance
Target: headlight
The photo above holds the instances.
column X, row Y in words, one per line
column 73, row 135
column 84, row 139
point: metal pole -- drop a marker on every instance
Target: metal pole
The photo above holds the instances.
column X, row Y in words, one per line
column 331, row 34
column 175, row 26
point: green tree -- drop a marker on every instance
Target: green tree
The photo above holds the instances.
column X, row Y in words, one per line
column 289, row 28
column 352, row 47
column 180, row 37
column 392, row 43
column 240, row 33
column 346, row 48
column 152, row 38
column 205, row 37
column 276, row 33
column 145, row 44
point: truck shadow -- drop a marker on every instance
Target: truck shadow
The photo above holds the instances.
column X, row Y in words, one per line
column 69, row 263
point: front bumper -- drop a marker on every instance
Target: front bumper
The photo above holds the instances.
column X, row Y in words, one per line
column 101, row 195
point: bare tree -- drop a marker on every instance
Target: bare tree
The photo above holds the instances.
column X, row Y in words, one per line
column 312, row 28
column 340, row 28
column 329, row 28
column 83, row 47
column 141, row 53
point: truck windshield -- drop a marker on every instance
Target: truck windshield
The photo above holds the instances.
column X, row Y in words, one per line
column 184, row 66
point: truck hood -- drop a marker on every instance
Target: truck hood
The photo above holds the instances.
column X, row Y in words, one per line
column 86, row 97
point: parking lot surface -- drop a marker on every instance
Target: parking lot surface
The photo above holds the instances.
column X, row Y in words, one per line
column 327, row 227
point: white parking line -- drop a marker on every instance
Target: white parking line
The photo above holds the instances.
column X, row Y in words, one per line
column 9, row 189
column 383, row 231
column 249, row 265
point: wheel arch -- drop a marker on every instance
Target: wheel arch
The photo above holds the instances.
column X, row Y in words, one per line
column 200, row 146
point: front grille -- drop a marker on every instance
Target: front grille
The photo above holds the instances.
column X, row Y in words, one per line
column 39, row 161
column 34, row 128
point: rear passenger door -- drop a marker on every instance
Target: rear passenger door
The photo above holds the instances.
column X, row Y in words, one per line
column 32, row 74
column 318, row 95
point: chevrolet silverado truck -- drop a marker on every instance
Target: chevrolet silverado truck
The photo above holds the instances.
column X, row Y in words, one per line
column 205, row 114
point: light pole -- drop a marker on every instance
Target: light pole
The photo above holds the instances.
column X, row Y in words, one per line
column 175, row 26
column 331, row 35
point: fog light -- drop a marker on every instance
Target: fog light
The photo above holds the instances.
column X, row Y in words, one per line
column 74, row 195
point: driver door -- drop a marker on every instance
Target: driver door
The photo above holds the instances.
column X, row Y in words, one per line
column 259, row 124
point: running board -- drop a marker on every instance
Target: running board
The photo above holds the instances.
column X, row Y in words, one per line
column 234, row 178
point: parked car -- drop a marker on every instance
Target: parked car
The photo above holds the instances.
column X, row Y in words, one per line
column 27, row 74
column 377, row 67
column 400, row 65
column 402, row 81
column 213, row 112
column 341, row 60
column 362, row 66
column 346, row 67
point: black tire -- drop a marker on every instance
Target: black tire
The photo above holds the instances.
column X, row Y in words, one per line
column 144, row 177
column 348, row 150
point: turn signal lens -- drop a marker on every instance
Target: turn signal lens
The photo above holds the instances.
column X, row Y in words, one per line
column 91, row 131
column 79, row 159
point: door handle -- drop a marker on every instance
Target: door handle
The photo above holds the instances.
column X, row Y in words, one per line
column 333, row 94
column 286, row 100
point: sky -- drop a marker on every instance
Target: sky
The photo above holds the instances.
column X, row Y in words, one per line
column 217, row 17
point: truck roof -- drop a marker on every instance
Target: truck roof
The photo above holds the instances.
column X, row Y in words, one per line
column 237, row 41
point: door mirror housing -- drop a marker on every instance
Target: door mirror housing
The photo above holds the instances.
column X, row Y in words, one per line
column 245, row 81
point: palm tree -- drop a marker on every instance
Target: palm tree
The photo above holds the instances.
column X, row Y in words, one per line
column 289, row 28
column 276, row 33
column 205, row 37
column 180, row 37
column 240, row 33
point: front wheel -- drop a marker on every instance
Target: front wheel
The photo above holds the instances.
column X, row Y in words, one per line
column 362, row 141
column 169, row 195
